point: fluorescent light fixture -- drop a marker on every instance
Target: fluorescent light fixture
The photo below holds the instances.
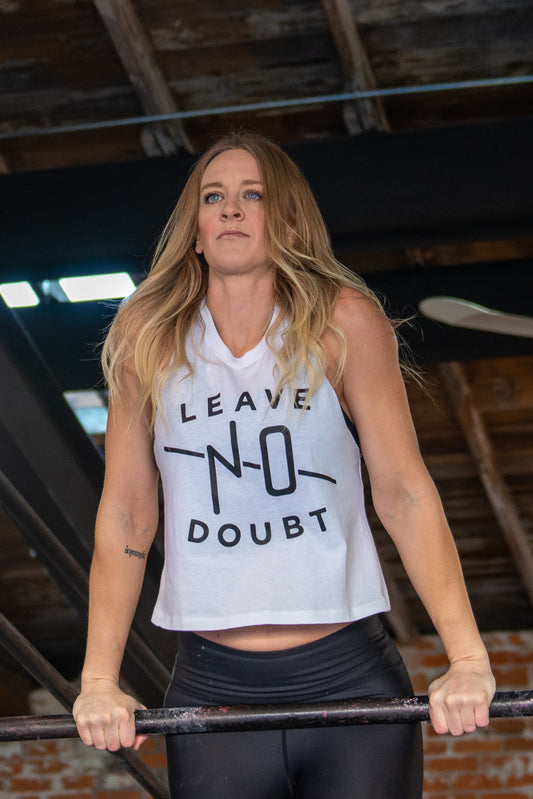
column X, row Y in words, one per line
column 18, row 295
column 90, row 409
column 97, row 287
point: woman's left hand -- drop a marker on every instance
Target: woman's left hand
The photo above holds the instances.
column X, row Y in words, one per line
column 459, row 700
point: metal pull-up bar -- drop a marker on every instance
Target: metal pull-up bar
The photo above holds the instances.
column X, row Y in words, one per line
column 241, row 718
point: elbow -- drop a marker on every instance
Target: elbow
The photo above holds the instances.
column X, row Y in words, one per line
column 391, row 507
column 398, row 502
column 134, row 526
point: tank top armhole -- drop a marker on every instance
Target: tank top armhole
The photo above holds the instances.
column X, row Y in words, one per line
column 351, row 427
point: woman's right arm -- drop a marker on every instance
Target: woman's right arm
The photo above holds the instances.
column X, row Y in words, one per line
column 126, row 523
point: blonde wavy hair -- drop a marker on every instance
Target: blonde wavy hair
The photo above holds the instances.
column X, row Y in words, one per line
column 149, row 332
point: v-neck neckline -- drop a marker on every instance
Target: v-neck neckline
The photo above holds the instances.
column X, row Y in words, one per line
column 218, row 345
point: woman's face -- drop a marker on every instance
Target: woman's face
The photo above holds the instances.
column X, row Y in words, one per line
column 231, row 233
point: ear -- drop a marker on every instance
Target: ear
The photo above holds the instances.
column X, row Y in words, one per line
column 291, row 235
column 198, row 247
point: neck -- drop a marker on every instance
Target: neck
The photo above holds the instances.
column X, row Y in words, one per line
column 241, row 310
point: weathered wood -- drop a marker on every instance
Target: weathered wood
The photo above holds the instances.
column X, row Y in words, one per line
column 362, row 115
column 137, row 56
column 503, row 386
column 413, row 11
column 498, row 494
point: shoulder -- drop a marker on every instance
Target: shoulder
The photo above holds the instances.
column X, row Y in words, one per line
column 362, row 321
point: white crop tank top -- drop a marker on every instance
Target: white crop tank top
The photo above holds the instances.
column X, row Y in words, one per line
column 264, row 507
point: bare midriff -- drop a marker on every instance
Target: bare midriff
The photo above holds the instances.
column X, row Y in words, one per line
column 271, row 637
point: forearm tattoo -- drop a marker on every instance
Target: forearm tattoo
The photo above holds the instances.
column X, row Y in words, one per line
column 134, row 553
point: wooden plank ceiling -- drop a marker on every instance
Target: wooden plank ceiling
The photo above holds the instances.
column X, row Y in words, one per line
column 75, row 64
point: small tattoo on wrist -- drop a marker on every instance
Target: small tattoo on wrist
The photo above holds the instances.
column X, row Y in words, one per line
column 134, row 553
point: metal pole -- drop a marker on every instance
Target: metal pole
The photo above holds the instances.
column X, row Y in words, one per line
column 293, row 102
column 243, row 718
column 49, row 678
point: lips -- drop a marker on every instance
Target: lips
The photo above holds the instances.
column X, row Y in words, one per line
column 232, row 234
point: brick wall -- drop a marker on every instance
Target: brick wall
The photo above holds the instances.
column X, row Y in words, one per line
column 496, row 763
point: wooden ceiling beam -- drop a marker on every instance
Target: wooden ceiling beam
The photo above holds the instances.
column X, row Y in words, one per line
column 363, row 115
column 138, row 58
column 496, row 489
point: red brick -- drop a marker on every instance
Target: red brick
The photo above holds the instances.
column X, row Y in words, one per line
column 464, row 745
column 455, row 796
column 40, row 748
column 438, row 661
column 435, row 747
column 68, row 796
column 420, row 682
column 32, row 796
column 475, row 782
column 506, row 795
column 514, row 781
column 423, row 643
column 120, row 794
column 505, row 657
column 47, row 765
column 451, row 764
column 432, row 783
column 518, row 744
column 507, row 726
column 155, row 760
column 430, row 732
column 78, row 781
column 11, row 767
column 517, row 677
column 20, row 784
column 516, row 639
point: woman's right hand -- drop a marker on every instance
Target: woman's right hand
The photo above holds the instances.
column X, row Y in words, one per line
column 104, row 716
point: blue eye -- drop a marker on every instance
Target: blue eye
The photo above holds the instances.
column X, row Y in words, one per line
column 252, row 194
column 212, row 197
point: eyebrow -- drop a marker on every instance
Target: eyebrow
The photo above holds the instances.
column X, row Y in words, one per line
column 218, row 185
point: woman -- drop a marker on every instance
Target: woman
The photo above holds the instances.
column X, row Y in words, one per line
column 250, row 370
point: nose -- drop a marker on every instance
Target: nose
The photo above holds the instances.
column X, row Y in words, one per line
column 231, row 209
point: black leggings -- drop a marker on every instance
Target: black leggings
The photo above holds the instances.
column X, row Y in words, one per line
column 360, row 762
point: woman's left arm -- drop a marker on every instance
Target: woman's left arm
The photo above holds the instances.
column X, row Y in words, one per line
column 409, row 507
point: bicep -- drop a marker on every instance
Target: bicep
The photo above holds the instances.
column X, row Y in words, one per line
column 131, row 477
column 374, row 394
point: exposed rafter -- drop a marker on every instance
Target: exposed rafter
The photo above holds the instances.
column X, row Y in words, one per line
column 136, row 53
column 365, row 114
column 498, row 494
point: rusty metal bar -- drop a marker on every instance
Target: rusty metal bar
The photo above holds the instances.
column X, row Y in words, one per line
column 243, row 718
column 49, row 678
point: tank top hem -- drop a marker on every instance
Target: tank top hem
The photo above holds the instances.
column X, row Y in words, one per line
column 289, row 617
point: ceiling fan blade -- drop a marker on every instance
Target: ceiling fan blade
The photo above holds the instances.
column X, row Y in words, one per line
column 462, row 313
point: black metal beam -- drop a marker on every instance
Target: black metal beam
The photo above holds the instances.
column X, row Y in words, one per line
column 506, row 286
column 74, row 583
column 245, row 718
column 379, row 190
column 66, row 468
column 51, row 465
column 50, row 679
